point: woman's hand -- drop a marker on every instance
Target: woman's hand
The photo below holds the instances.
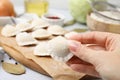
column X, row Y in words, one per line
column 102, row 60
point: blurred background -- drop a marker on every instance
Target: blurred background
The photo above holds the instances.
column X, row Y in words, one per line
column 56, row 4
column 74, row 11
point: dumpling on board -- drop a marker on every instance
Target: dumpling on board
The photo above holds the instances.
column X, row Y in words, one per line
column 25, row 39
column 56, row 30
column 58, row 49
column 9, row 31
column 24, row 27
column 41, row 49
column 39, row 23
column 41, row 34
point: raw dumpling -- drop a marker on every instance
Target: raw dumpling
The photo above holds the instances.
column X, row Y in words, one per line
column 41, row 49
column 24, row 27
column 56, row 30
column 41, row 34
column 39, row 23
column 9, row 31
column 25, row 39
column 58, row 49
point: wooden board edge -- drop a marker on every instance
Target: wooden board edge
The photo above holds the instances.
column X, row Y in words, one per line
column 21, row 59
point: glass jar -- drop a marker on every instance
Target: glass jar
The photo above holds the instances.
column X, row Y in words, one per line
column 36, row 6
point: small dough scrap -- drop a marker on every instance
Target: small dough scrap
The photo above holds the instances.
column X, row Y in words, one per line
column 58, row 49
column 9, row 31
column 25, row 39
column 24, row 27
column 16, row 69
column 39, row 23
column 41, row 34
column 41, row 49
column 56, row 30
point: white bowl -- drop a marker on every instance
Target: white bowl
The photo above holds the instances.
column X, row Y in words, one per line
column 21, row 19
column 5, row 20
column 98, row 24
column 54, row 18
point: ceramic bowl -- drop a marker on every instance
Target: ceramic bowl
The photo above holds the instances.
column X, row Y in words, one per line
column 54, row 18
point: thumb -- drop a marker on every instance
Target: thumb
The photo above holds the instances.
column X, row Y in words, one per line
column 83, row 52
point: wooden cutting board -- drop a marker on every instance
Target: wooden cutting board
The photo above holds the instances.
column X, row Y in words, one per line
column 44, row 65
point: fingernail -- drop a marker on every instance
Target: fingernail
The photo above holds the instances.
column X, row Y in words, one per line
column 73, row 45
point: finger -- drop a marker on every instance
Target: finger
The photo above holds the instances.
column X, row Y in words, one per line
column 76, row 60
column 90, row 70
column 91, row 37
column 96, row 47
column 84, row 53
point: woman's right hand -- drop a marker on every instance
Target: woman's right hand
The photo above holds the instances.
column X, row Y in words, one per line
column 102, row 63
